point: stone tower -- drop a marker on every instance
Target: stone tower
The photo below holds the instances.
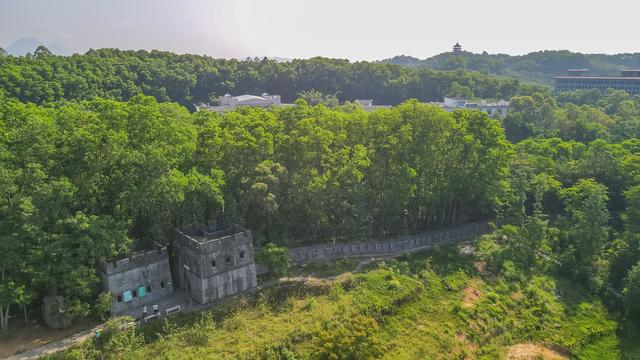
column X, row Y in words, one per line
column 214, row 262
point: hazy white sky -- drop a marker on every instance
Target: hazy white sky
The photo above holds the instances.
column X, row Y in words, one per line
column 354, row 29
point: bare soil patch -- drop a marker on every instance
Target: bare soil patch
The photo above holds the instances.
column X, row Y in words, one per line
column 470, row 346
column 518, row 295
column 481, row 266
column 529, row 351
column 471, row 295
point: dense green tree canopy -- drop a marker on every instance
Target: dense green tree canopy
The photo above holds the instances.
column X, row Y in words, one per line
column 614, row 116
column 83, row 181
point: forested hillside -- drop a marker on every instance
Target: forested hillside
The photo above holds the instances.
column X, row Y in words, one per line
column 96, row 156
column 187, row 79
column 539, row 67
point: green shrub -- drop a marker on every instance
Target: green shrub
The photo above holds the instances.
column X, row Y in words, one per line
column 336, row 292
column 102, row 307
column 394, row 285
column 276, row 258
column 352, row 336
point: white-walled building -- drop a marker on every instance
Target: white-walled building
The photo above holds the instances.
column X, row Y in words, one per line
column 228, row 102
column 497, row 108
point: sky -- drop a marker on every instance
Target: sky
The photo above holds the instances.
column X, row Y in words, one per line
column 352, row 29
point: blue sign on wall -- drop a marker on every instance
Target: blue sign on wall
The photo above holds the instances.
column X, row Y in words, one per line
column 127, row 296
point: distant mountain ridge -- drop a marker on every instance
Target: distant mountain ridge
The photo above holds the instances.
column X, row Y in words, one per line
column 23, row 46
column 539, row 67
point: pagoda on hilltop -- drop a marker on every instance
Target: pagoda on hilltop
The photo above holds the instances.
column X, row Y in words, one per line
column 457, row 48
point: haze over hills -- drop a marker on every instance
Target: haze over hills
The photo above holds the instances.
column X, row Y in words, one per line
column 540, row 66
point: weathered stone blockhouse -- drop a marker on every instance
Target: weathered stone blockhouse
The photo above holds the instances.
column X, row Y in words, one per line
column 134, row 282
column 214, row 262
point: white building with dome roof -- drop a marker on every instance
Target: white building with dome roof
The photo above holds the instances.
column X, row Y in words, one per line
column 228, row 102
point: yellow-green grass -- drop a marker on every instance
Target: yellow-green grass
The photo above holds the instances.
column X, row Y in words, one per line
column 418, row 308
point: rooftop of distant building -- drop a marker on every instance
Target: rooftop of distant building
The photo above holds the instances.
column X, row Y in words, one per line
column 229, row 102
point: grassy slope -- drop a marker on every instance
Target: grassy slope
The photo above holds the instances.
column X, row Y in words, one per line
column 419, row 308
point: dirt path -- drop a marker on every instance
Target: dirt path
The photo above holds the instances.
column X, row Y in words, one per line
column 24, row 337
column 55, row 346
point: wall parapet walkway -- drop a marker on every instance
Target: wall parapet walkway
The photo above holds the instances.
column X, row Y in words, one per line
column 393, row 247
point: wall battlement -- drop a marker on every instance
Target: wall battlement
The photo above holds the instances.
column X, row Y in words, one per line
column 137, row 260
column 206, row 241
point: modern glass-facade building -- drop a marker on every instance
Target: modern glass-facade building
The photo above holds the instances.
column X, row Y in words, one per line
column 629, row 81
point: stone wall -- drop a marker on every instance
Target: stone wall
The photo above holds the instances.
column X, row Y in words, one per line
column 220, row 285
column 392, row 247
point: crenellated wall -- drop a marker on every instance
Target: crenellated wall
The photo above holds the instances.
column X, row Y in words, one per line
column 392, row 247
column 136, row 260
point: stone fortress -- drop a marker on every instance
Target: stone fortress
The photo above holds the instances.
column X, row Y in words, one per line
column 206, row 264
